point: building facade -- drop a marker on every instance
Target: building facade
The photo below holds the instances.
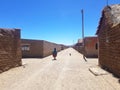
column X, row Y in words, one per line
column 10, row 51
column 88, row 47
column 38, row 48
column 109, row 39
column 91, row 47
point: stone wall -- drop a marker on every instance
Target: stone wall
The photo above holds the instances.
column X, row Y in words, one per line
column 109, row 49
column 10, row 51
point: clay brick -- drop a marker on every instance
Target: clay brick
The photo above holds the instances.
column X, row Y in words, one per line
column 109, row 29
column 39, row 48
column 10, row 51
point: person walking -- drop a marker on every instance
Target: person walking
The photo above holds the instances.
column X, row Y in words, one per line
column 54, row 53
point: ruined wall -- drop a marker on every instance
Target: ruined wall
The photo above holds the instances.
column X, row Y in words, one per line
column 10, row 51
column 109, row 49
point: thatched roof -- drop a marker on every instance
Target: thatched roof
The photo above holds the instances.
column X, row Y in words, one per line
column 110, row 17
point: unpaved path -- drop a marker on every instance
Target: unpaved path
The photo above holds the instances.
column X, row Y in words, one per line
column 65, row 73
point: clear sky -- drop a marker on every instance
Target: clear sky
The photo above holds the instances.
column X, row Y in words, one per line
column 57, row 21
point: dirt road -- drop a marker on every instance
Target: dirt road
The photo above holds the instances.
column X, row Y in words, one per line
column 65, row 73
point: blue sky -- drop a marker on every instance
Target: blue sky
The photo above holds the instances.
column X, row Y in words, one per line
column 57, row 21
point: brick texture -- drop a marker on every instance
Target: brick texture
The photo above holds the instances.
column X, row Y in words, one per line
column 91, row 50
column 35, row 48
column 39, row 48
column 109, row 49
column 109, row 39
column 10, row 52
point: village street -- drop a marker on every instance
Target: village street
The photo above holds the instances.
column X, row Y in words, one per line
column 65, row 73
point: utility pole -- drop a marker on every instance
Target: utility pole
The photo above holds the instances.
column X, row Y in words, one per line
column 107, row 2
column 82, row 25
column 82, row 12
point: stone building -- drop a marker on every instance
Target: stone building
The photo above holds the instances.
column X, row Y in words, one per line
column 10, row 51
column 38, row 48
column 109, row 39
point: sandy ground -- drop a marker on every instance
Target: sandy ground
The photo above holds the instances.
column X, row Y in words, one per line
column 65, row 73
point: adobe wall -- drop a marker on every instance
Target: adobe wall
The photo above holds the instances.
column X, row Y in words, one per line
column 35, row 48
column 48, row 47
column 91, row 49
column 109, row 49
column 80, row 49
column 10, row 51
column 39, row 48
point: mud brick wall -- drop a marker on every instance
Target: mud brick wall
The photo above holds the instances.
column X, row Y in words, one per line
column 48, row 48
column 91, row 49
column 35, row 48
column 109, row 49
column 39, row 48
column 79, row 49
column 10, row 51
